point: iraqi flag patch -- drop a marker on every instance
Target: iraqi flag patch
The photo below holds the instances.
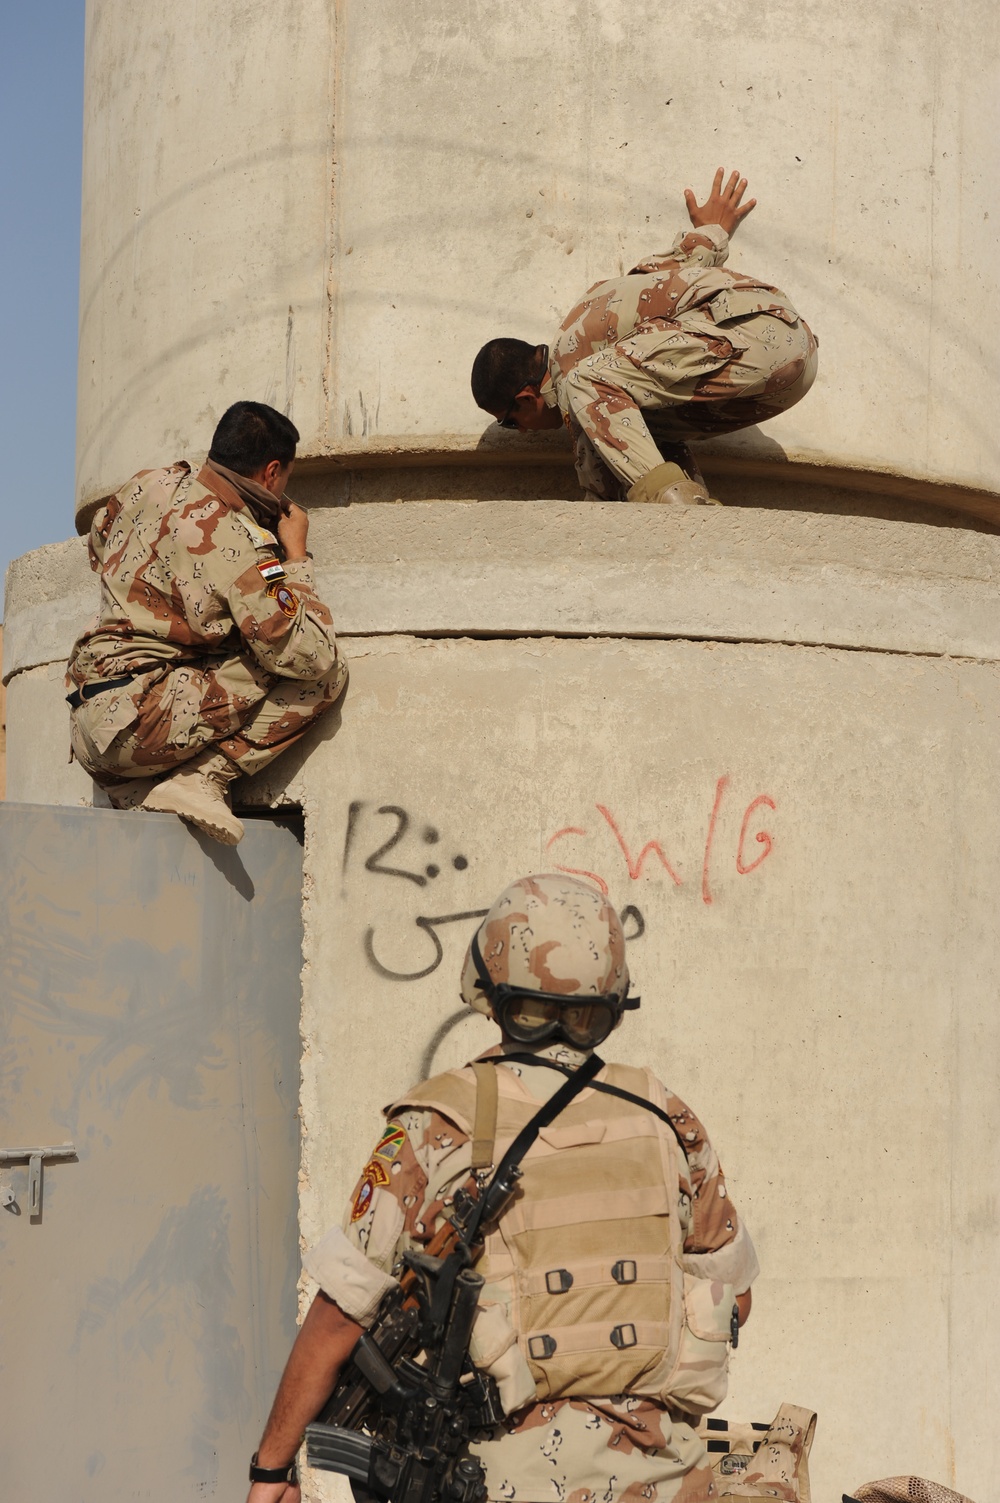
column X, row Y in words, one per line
column 271, row 569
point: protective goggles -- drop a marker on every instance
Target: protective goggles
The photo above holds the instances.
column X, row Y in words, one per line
column 532, row 1017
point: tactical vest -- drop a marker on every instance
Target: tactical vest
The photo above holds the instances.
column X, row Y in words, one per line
column 588, row 1257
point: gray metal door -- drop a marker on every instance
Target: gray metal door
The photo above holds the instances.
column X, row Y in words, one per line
column 149, row 1017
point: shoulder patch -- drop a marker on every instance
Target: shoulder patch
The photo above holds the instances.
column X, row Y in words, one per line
column 284, row 598
column 271, row 569
column 390, row 1142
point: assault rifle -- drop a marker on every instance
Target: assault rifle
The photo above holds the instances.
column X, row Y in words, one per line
column 398, row 1427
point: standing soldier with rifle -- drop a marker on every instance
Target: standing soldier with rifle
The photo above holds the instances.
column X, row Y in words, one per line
column 540, row 1273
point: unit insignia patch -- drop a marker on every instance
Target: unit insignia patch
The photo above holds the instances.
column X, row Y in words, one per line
column 375, row 1176
column 286, row 601
column 362, row 1200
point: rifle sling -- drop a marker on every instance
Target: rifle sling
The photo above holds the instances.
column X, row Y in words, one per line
column 484, row 1131
column 595, row 1085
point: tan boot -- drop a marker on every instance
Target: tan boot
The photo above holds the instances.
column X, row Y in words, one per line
column 197, row 792
column 668, row 485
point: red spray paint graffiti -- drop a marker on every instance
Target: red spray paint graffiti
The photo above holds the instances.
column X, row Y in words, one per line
column 635, row 864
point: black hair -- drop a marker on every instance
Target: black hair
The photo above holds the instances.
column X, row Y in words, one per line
column 502, row 367
column 249, row 435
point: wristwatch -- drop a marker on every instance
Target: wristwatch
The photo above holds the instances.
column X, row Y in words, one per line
column 284, row 1473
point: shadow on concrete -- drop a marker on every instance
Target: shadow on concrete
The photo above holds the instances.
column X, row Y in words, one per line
column 226, row 860
column 438, row 1038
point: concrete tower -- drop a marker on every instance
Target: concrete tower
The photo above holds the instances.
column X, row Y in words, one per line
column 769, row 729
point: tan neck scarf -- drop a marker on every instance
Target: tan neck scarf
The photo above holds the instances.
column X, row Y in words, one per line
column 265, row 506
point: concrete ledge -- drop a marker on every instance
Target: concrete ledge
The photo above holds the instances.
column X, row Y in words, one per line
column 559, row 569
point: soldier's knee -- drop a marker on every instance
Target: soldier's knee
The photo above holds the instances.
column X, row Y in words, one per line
column 332, row 684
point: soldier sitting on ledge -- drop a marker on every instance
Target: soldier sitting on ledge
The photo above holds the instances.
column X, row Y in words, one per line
column 211, row 653
column 677, row 349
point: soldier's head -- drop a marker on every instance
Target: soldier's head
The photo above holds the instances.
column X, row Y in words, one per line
column 257, row 442
column 548, row 962
column 507, row 375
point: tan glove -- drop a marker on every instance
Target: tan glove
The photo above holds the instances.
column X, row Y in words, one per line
column 668, row 485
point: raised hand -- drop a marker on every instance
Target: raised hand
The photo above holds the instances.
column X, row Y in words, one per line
column 293, row 532
column 722, row 205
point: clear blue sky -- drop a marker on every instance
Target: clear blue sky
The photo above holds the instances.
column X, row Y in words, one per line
column 41, row 112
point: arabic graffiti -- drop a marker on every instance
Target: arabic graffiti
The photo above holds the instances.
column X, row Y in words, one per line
column 429, row 926
column 407, row 835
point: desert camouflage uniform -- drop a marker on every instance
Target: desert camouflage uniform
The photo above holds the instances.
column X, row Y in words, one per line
column 603, row 1450
column 227, row 645
column 677, row 349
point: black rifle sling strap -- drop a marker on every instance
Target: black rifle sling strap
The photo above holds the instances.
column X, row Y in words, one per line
column 578, row 1081
column 601, row 1085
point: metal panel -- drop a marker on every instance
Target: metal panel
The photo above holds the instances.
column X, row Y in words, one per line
column 149, row 1015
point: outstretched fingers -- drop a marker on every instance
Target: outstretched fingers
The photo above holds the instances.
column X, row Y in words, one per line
column 724, row 204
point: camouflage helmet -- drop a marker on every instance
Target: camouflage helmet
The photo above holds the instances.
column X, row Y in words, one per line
column 552, row 934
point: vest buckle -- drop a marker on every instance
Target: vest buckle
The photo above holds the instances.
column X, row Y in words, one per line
column 625, row 1271
column 624, row 1336
column 540, row 1347
column 558, row 1280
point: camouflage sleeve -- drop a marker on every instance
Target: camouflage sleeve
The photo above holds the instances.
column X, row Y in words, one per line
column 596, row 480
column 607, row 413
column 714, row 1221
column 708, row 245
column 282, row 620
column 98, row 534
column 405, row 1186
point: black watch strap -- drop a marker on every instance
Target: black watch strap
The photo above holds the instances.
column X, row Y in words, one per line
column 284, row 1473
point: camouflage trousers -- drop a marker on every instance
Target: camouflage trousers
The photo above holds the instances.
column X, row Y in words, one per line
column 571, row 1451
column 161, row 720
column 691, row 379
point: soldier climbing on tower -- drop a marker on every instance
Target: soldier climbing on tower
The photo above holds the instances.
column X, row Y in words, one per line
column 211, row 653
column 678, row 349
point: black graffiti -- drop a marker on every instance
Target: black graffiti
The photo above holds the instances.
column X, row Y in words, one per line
column 632, row 919
column 353, row 810
column 374, row 861
column 429, row 926
column 630, row 911
column 402, row 825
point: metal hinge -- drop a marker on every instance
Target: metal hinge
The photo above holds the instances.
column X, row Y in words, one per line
column 34, row 1158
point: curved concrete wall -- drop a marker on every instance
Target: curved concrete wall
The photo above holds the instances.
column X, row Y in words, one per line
column 330, row 206
column 774, row 744
column 771, row 736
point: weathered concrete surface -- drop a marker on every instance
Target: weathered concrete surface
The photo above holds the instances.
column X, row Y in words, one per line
column 494, row 568
column 333, row 207
column 819, row 951
column 824, row 995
